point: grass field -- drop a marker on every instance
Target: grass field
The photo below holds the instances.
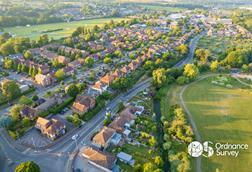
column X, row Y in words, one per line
column 170, row 97
column 162, row 7
column 222, row 115
column 33, row 32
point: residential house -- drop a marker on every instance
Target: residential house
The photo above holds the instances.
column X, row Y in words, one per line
column 102, row 160
column 43, row 80
column 117, row 73
column 125, row 119
column 107, row 79
column 134, row 65
column 103, row 138
column 51, row 128
column 83, row 103
column 48, row 103
column 28, row 112
column 62, row 59
column 125, row 70
column 48, row 54
column 74, row 64
column 44, row 69
column 68, row 70
column 99, row 87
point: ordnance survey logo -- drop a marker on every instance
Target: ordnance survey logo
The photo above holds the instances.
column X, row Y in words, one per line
column 196, row 149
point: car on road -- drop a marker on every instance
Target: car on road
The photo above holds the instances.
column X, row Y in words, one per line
column 75, row 136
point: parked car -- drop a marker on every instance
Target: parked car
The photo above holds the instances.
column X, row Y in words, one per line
column 75, row 136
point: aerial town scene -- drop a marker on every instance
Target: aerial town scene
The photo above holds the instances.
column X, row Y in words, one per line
column 125, row 85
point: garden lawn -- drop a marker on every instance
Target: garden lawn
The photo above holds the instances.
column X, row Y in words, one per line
column 222, row 115
column 33, row 32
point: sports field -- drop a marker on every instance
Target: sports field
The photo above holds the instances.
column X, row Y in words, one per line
column 222, row 115
column 64, row 28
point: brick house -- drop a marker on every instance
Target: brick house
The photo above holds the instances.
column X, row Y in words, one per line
column 43, row 80
column 51, row 128
column 83, row 103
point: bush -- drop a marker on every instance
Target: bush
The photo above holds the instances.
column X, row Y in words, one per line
column 28, row 166
column 14, row 135
column 182, row 80
column 25, row 100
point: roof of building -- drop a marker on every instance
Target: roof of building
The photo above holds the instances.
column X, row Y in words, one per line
column 104, row 135
column 124, row 156
column 83, row 102
column 107, row 79
column 124, row 117
column 42, row 121
column 101, row 158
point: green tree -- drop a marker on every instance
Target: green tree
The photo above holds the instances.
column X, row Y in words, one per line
column 183, row 49
column 214, row 66
column 59, row 75
column 148, row 167
column 10, row 89
column 19, row 69
column 43, row 40
column 121, row 84
column 72, row 90
column 27, row 54
column 25, row 100
column 26, row 122
column 15, row 112
column 28, row 166
column 107, row 60
column 203, row 55
column 89, row 61
column 191, row 71
column 159, row 77
column 158, row 160
column 23, row 68
column 138, row 168
column 182, row 80
column 8, row 63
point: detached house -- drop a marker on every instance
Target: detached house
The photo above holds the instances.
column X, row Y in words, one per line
column 51, row 128
column 107, row 79
column 102, row 160
column 28, row 112
column 99, row 87
column 44, row 69
column 125, row 119
column 43, row 80
column 62, row 59
column 103, row 138
column 74, row 64
column 83, row 103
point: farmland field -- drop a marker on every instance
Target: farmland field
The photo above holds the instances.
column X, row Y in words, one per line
column 62, row 29
column 222, row 115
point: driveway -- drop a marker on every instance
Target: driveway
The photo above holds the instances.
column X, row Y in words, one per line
column 34, row 138
column 83, row 164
